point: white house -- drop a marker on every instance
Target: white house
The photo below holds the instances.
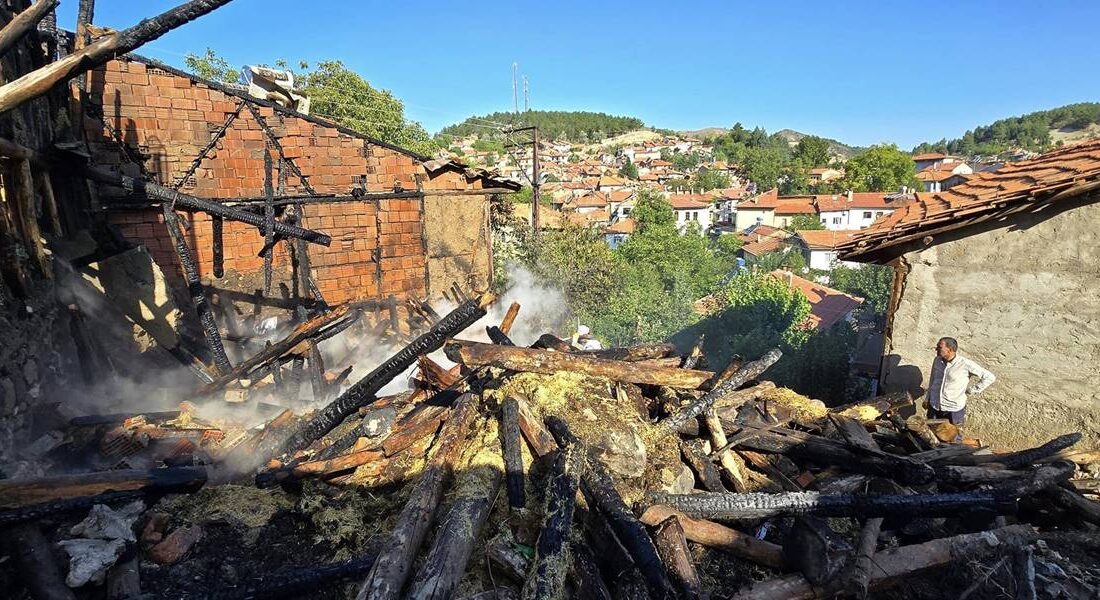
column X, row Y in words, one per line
column 856, row 210
column 944, row 175
column 819, row 247
column 692, row 208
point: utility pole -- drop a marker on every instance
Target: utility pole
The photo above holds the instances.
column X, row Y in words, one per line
column 535, row 184
column 515, row 98
column 526, row 96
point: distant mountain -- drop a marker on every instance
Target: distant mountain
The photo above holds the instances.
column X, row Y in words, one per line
column 837, row 148
column 1035, row 131
column 577, row 126
column 705, row 132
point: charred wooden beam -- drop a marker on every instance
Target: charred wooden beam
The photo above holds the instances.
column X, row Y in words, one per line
column 23, row 22
column 454, row 543
column 699, row 462
column 40, row 81
column 35, row 512
column 391, row 568
column 633, row 353
column 474, row 354
column 552, row 557
column 673, row 550
column 296, row 583
column 536, row 434
column 15, row 493
column 1022, row 458
column 725, row 457
column 858, row 579
column 269, row 221
column 696, row 353
column 548, row 341
column 720, row 537
column 600, row 491
column 732, row 507
column 896, row 563
column 669, row 425
column 513, row 454
column 362, row 393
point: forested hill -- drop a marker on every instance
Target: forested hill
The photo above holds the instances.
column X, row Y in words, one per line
column 578, row 126
column 1035, row 131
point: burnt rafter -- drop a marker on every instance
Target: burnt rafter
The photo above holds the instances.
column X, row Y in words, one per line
column 279, row 147
column 218, row 135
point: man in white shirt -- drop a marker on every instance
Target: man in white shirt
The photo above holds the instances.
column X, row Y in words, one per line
column 949, row 382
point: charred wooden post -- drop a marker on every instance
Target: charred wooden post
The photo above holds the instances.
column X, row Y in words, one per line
column 391, row 568
column 362, row 393
column 15, row 493
column 296, row 583
column 269, row 220
column 498, row 337
column 673, row 549
column 473, row 354
column 600, row 491
column 732, row 507
column 513, row 454
column 1023, row 571
column 548, row 341
column 895, row 563
column 700, row 463
column 217, row 225
column 671, row 424
column 713, row 535
column 696, row 353
column 24, row 22
column 197, row 291
column 1023, row 458
column 317, row 373
column 1071, row 500
column 552, row 557
column 37, row 567
column 453, row 544
column 40, row 81
column 587, row 581
column 859, row 576
column 633, row 353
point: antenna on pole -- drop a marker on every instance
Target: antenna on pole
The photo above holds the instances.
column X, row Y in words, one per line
column 526, row 95
column 515, row 98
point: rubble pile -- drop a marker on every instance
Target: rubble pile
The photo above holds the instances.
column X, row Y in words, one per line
column 538, row 472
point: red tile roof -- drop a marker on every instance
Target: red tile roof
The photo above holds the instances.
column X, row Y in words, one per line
column 825, row 239
column 767, row 200
column 796, row 206
column 760, row 231
column 1025, row 186
column 827, row 306
column 626, row 225
column 929, row 156
column 766, row 245
column 690, row 201
column 860, row 200
column 934, row 175
column 591, row 200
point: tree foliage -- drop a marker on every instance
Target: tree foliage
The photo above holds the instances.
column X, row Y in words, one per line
column 806, row 223
column 873, row 283
column 629, row 170
column 211, row 66
column 1030, row 131
column 812, row 151
column 881, row 168
column 577, row 126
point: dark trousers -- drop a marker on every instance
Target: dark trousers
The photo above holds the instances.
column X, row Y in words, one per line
column 955, row 417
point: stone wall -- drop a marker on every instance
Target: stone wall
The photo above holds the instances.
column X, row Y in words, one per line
column 157, row 121
column 1024, row 302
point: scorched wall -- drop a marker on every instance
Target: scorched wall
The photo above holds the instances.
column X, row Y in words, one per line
column 1023, row 301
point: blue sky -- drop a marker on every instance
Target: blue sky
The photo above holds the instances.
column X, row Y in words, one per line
column 862, row 72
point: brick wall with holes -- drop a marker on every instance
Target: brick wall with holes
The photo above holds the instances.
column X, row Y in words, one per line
column 150, row 122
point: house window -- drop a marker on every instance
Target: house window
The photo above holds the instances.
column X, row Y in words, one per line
column 836, row 220
column 626, row 210
column 695, row 215
column 879, row 213
column 867, row 214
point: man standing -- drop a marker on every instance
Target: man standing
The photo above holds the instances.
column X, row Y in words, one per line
column 949, row 383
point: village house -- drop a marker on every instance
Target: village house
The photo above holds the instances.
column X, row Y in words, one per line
column 819, row 247
column 778, row 241
column 613, row 183
column 824, row 174
column 618, row 231
column 1007, row 263
column 756, row 209
column 691, row 208
column 620, row 203
column 928, row 159
column 856, row 210
column 827, row 306
column 589, row 203
column 790, row 207
column 943, row 175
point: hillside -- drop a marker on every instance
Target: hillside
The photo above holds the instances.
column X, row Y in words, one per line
column 1035, row 131
column 577, row 126
column 835, row 148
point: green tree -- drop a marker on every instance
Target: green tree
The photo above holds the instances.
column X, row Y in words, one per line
column 763, row 166
column 211, row 66
column 806, row 223
column 873, row 283
column 707, row 179
column 629, row 170
column 881, row 168
column 727, row 246
column 812, row 151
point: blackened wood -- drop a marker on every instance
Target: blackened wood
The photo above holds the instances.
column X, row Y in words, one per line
column 507, row 558
column 474, row 354
column 815, row 448
column 513, row 454
column 198, row 292
column 696, row 353
column 317, row 373
column 195, row 162
column 34, row 512
column 296, row 583
column 363, row 392
column 854, row 433
column 217, row 227
column 392, row 567
column 1040, row 478
column 713, row 535
column 960, row 474
column 893, row 564
column 454, row 543
column 546, row 580
column 548, row 341
column 16, row 493
column 1023, row 571
column 497, row 336
column 1085, row 509
column 705, row 470
column 291, row 344
column 1023, row 458
column 600, row 492
column 36, row 565
column 633, row 353
column 23, row 22
column 774, row 473
column 124, row 578
column 669, row 425
column 588, row 583
column 673, row 549
column 732, row 507
column 269, row 220
column 859, row 576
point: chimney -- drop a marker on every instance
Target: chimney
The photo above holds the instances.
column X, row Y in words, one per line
column 849, row 196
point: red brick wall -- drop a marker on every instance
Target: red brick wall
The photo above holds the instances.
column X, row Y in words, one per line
column 169, row 119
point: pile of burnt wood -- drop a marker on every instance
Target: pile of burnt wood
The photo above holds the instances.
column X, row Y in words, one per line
column 827, row 501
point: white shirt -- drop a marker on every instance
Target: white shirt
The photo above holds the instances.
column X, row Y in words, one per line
column 947, row 385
